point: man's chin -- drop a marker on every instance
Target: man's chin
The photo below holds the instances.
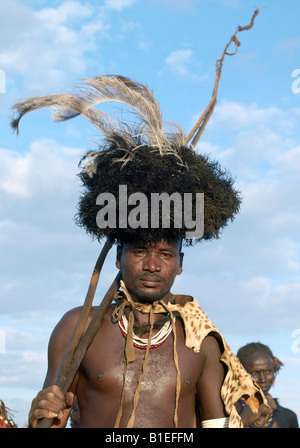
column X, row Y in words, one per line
column 148, row 295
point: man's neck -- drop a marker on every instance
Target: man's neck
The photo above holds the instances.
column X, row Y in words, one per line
column 149, row 302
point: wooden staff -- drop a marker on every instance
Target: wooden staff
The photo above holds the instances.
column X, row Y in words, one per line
column 80, row 341
column 199, row 127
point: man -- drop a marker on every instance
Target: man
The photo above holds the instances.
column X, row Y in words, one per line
column 263, row 367
column 6, row 417
column 148, row 273
column 157, row 360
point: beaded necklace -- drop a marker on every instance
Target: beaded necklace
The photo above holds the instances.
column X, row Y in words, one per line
column 267, row 421
column 142, row 343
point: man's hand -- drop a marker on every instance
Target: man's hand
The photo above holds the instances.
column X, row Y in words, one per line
column 51, row 403
column 249, row 417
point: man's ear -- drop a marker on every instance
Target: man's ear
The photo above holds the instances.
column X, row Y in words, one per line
column 118, row 257
column 180, row 267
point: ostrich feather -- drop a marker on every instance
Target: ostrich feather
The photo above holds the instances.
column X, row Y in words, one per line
column 108, row 88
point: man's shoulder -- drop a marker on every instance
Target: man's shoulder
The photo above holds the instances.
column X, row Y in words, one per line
column 288, row 412
column 212, row 344
column 71, row 317
column 69, row 320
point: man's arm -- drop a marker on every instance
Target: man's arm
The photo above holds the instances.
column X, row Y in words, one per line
column 246, row 414
column 210, row 381
column 291, row 417
column 51, row 402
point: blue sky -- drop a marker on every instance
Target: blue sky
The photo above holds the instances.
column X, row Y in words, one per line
column 247, row 281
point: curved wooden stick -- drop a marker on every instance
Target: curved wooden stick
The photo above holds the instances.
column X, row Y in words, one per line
column 80, row 326
column 79, row 343
column 91, row 331
column 85, row 342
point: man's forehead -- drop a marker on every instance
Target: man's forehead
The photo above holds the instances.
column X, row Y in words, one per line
column 160, row 245
column 259, row 358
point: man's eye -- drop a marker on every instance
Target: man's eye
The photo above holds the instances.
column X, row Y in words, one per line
column 139, row 252
column 165, row 255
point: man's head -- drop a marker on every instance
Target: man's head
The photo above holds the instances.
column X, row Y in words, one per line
column 261, row 369
column 149, row 270
column 260, row 362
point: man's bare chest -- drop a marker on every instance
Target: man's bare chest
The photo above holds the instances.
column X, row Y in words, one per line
column 103, row 366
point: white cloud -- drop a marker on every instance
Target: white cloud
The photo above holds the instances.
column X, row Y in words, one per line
column 176, row 5
column 179, row 60
column 66, row 12
column 23, row 368
column 289, row 160
column 17, row 340
column 39, row 192
column 263, row 141
column 257, row 260
column 289, row 46
column 45, row 168
column 118, row 5
column 49, row 46
column 237, row 116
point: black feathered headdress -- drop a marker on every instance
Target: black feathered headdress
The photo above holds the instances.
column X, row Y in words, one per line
column 145, row 159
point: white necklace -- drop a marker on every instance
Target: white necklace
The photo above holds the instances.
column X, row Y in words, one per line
column 156, row 340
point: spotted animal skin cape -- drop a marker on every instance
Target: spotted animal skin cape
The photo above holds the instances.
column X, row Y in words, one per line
column 237, row 383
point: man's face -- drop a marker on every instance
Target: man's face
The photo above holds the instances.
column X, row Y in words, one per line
column 261, row 369
column 149, row 271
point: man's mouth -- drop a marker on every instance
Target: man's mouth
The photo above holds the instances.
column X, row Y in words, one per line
column 264, row 386
column 150, row 281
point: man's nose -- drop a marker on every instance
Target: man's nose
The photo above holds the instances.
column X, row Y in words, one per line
column 152, row 263
column 262, row 377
